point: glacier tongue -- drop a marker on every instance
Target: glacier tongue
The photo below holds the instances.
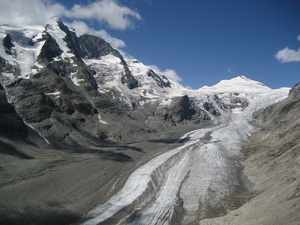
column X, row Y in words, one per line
column 195, row 177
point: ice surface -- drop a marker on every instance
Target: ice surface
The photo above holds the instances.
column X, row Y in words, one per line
column 23, row 54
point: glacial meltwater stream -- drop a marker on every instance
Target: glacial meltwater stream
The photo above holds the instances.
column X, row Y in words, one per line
column 201, row 172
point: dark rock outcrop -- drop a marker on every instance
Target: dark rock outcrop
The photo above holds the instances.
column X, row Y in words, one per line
column 178, row 112
column 162, row 83
column 49, row 51
column 72, row 41
column 233, row 100
column 11, row 124
column 211, row 109
column 94, row 47
column 7, row 43
column 276, row 114
column 295, row 92
column 6, row 67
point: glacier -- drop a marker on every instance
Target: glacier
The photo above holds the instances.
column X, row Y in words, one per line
column 198, row 174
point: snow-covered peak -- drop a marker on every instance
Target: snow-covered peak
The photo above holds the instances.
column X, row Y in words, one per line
column 23, row 52
column 145, row 74
column 27, row 43
column 237, row 84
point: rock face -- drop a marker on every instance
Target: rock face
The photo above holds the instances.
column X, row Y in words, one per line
column 178, row 111
column 49, row 51
column 162, row 83
column 211, row 109
column 181, row 111
column 281, row 117
column 7, row 43
column 11, row 124
column 94, row 47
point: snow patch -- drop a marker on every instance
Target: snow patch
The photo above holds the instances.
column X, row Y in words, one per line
column 58, row 35
column 166, row 102
column 100, row 120
column 75, row 80
column 56, row 94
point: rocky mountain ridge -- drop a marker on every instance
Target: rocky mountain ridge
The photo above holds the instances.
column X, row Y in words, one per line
column 71, row 89
column 64, row 94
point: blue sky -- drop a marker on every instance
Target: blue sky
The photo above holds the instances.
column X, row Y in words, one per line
column 201, row 41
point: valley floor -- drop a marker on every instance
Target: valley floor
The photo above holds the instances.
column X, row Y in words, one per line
column 58, row 186
column 51, row 186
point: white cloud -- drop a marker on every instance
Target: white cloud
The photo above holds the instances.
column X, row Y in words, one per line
column 82, row 28
column 172, row 75
column 29, row 12
column 169, row 73
column 288, row 55
column 109, row 11
column 39, row 12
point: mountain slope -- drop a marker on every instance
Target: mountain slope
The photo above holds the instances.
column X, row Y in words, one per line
column 272, row 165
column 76, row 87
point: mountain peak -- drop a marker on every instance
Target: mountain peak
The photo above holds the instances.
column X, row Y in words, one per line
column 243, row 77
column 237, row 84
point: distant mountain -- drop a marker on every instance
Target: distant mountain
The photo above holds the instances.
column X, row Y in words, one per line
column 72, row 89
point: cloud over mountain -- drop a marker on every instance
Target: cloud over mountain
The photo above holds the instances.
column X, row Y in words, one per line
column 169, row 73
column 39, row 12
column 105, row 11
column 82, row 28
column 33, row 12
